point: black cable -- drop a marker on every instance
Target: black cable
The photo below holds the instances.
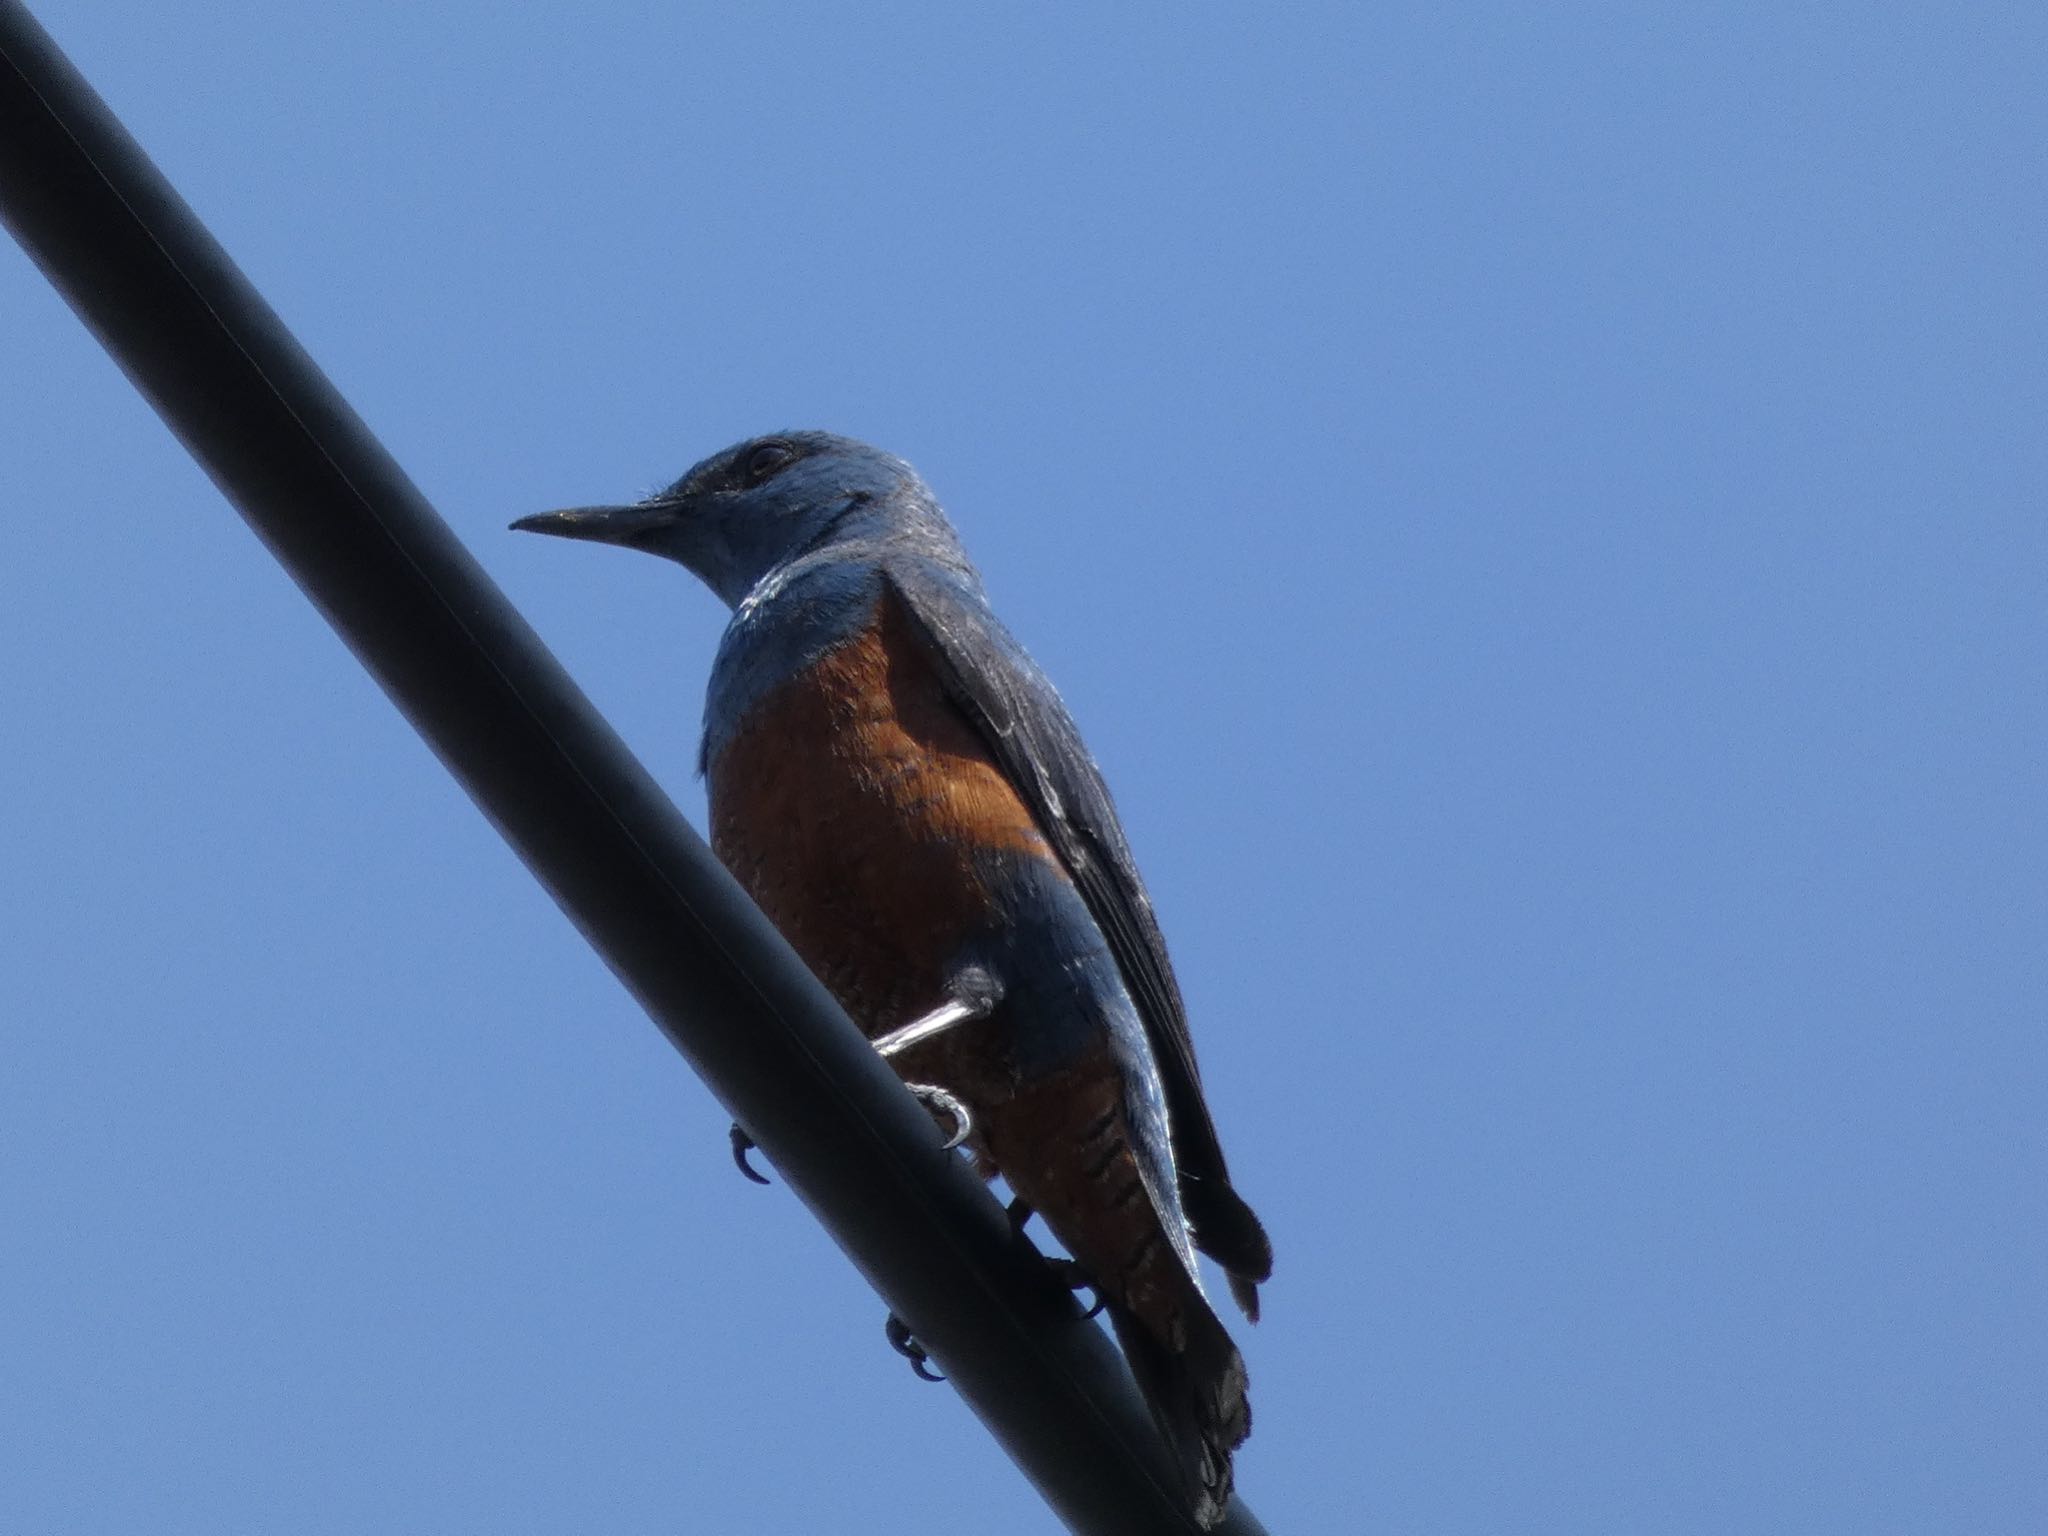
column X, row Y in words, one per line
column 228, row 378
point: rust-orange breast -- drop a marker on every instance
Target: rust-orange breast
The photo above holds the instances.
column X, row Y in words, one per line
column 859, row 807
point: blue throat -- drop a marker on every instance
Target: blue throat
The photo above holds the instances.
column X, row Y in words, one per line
column 795, row 616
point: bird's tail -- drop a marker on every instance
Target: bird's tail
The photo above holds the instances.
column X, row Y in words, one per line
column 1197, row 1394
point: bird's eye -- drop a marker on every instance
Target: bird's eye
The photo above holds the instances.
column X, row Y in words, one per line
column 763, row 460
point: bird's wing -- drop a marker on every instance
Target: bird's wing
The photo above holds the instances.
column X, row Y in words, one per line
column 1011, row 703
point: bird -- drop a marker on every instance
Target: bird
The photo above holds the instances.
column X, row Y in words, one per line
column 896, row 783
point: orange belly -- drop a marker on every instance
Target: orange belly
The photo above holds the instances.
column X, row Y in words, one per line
column 861, row 809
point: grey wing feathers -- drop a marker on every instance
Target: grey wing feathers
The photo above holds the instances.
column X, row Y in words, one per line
column 1019, row 714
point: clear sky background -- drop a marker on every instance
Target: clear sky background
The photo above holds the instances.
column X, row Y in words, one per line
column 1540, row 511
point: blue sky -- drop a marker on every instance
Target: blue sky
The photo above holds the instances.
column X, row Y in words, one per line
column 1540, row 512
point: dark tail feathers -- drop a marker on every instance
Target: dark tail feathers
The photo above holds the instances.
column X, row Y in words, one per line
column 1229, row 1232
column 1197, row 1396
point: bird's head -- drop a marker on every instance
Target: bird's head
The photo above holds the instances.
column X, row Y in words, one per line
column 762, row 504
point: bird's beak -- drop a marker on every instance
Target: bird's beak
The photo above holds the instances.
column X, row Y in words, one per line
column 604, row 525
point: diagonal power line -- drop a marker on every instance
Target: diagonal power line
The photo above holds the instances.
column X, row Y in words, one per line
column 363, row 544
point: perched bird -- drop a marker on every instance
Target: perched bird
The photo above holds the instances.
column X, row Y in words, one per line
column 897, row 784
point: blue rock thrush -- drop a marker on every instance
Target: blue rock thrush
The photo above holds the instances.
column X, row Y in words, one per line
column 902, row 791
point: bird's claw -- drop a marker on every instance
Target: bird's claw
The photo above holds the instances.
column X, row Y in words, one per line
column 939, row 1101
column 742, row 1144
column 1075, row 1278
column 973, row 995
column 1066, row 1271
column 901, row 1341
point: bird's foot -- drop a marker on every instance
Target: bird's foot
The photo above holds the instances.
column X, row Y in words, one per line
column 908, row 1347
column 941, row 1102
column 1067, row 1271
column 972, row 994
column 742, row 1144
column 1075, row 1278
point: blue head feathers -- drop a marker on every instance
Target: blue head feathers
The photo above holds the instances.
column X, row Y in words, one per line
column 764, row 505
